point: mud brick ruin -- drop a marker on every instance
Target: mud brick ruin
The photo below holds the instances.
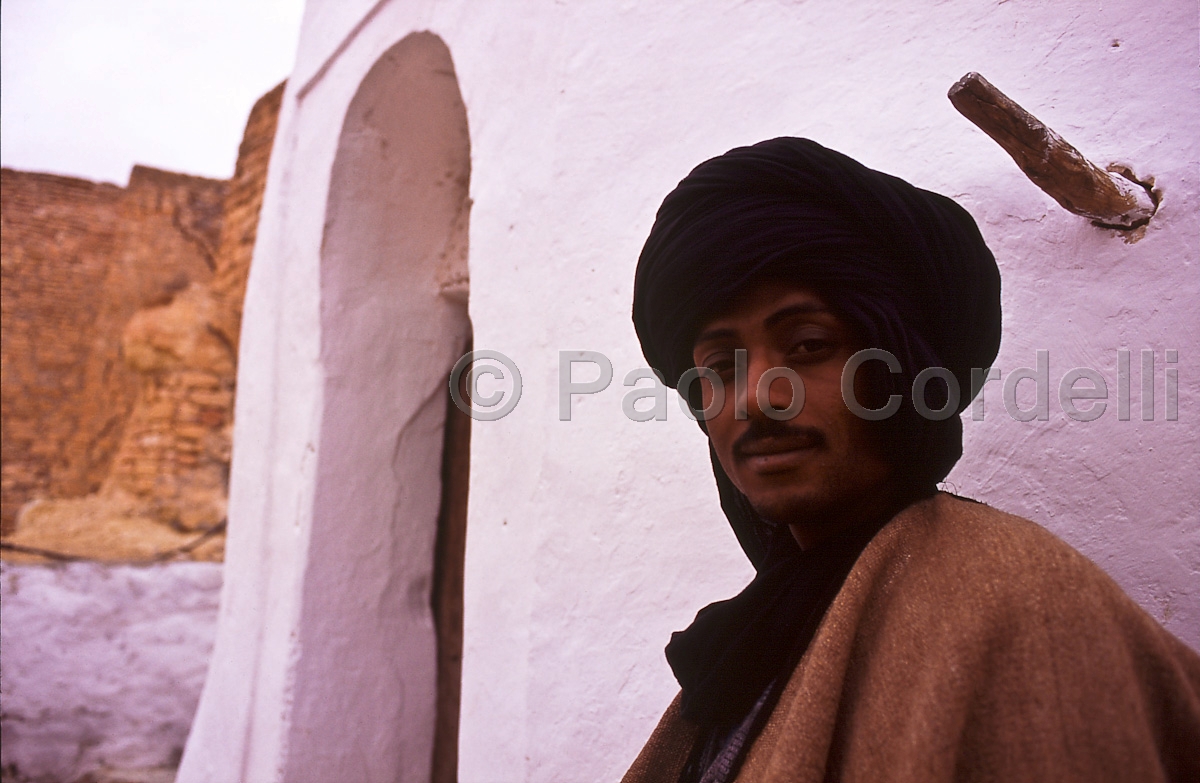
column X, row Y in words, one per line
column 121, row 313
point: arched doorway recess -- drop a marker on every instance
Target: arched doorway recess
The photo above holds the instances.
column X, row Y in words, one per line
column 326, row 665
column 393, row 322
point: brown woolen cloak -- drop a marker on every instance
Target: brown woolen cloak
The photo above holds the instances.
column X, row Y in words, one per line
column 971, row 645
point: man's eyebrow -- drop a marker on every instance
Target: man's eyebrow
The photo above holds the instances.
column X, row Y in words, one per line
column 800, row 308
column 719, row 333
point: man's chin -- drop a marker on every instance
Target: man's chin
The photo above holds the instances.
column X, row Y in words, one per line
column 795, row 509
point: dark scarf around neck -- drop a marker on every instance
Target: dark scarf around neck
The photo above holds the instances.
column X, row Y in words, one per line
column 734, row 649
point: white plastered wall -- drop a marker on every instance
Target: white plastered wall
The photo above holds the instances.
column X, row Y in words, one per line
column 325, row 661
column 589, row 541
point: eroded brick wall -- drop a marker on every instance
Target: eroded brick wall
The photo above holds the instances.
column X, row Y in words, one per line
column 176, row 450
column 79, row 259
column 122, row 308
column 239, row 226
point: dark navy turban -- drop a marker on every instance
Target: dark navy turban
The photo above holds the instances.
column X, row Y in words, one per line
column 906, row 267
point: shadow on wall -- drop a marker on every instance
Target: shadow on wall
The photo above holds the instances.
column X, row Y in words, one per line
column 394, row 320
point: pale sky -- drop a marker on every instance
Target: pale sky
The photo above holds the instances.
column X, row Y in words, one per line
column 91, row 87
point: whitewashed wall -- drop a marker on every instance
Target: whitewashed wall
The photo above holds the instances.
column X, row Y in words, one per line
column 591, row 540
column 101, row 665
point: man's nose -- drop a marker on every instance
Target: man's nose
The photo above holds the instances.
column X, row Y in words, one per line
column 780, row 387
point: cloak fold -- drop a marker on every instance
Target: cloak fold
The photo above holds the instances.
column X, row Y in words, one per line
column 969, row 644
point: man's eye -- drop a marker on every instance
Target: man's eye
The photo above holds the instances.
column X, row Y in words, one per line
column 811, row 349
column 722, row 367
column 721, row 364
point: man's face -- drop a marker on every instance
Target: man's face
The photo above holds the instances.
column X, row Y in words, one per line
column 820, row 471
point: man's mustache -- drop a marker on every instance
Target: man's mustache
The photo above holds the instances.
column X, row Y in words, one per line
column 765, row 435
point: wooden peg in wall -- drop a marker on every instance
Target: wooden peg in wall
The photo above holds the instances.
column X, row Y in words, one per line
column 1107, row 198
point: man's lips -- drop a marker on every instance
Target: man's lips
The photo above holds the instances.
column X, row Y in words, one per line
column 768, row 453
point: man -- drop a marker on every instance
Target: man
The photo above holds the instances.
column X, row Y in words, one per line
column 892, row 632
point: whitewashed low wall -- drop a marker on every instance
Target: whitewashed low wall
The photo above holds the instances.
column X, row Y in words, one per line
column 101, row 666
